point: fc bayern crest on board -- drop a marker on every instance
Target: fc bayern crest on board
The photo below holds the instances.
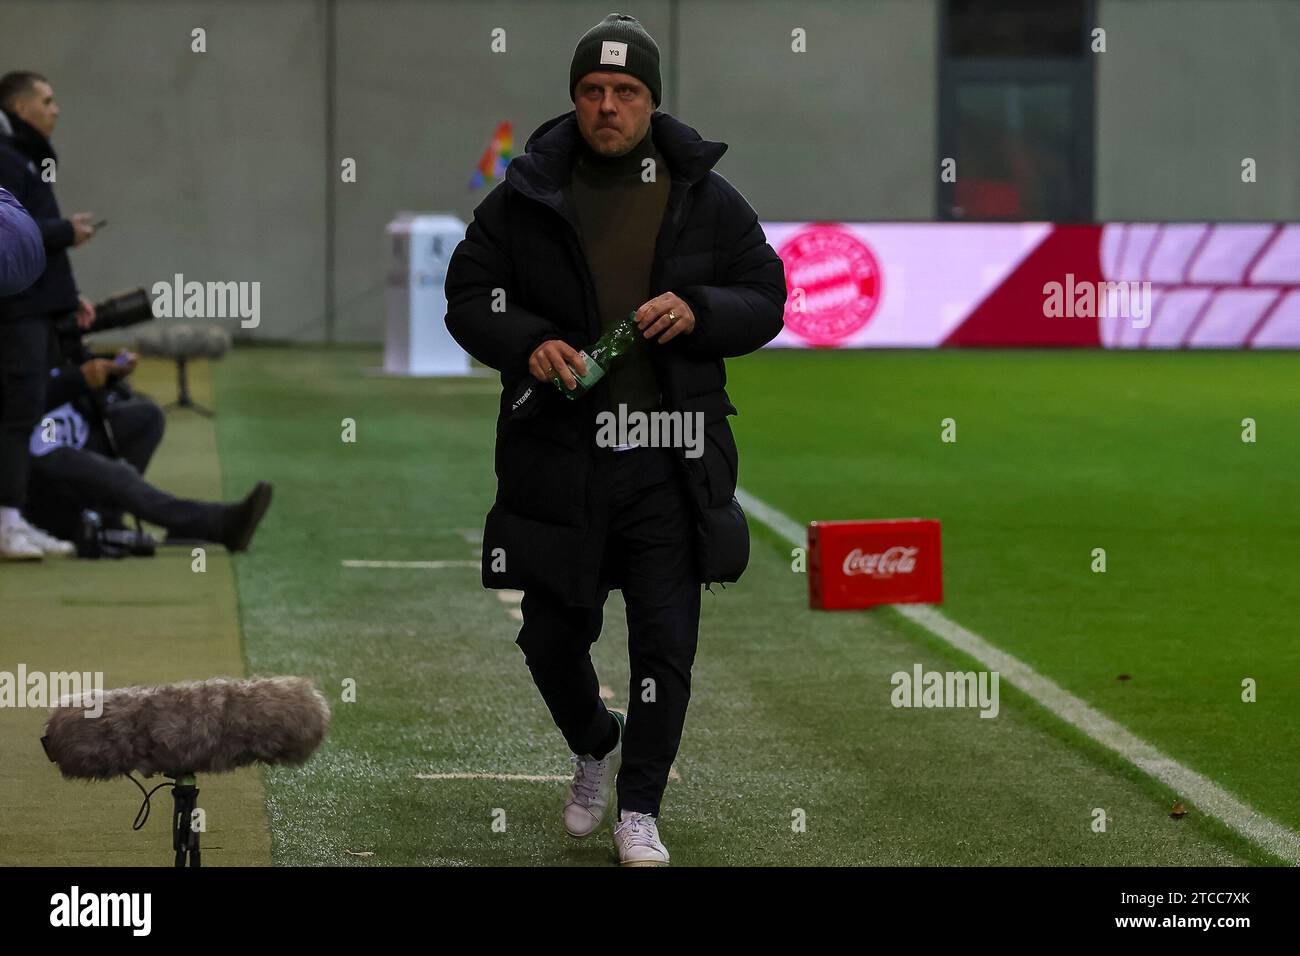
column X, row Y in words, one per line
column 840, row 281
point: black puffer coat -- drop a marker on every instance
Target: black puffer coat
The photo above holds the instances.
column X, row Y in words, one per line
column 23, row 152
column 524, row 240
column 22, row 252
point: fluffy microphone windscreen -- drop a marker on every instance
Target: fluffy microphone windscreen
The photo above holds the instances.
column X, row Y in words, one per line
column 206, row 726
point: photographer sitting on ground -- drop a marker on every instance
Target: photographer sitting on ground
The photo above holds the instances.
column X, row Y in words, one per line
column 92, row 447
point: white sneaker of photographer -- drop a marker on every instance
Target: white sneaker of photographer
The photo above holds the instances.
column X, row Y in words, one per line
column 588, row 795
column 17, row 545
column 637, row 839
column 48, row 543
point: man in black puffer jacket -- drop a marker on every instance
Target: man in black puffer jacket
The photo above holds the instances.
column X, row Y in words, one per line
column 614, row 208
column 28, row 167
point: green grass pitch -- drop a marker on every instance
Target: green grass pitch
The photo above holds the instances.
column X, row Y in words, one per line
column 1057, row 453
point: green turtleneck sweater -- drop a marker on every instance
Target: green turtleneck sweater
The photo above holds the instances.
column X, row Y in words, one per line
column 620, row 215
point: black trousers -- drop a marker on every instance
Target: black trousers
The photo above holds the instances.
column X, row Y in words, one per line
column 24, row 370
column 69, row 479
column 645, row 520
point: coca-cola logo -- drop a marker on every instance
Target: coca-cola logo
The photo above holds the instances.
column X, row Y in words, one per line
column 884, row 564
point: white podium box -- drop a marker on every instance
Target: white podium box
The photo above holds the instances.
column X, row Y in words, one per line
column 416, row 341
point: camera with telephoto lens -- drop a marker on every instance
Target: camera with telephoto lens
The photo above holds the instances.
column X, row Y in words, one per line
column 116, row 312
column 94, row 541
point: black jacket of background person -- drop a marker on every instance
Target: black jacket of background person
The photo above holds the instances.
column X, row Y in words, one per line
column 22, row 151
column 66, row 356
column 22, row 251
column 524, row 239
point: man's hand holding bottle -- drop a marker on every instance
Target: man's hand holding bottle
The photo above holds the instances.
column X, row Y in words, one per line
column 665, row 316
column 551, row 361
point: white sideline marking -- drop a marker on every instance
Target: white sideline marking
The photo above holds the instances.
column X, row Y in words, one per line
column 510, row 597
column 517, row 614
column 427, row 565
column 782, row 524
column 1186, row 783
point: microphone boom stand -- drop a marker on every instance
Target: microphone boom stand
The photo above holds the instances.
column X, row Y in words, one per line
column 185, row 796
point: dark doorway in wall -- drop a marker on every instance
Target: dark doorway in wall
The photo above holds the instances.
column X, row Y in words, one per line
column 1016, row 107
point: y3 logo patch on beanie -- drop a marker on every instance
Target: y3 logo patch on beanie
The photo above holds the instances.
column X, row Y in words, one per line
column 612, row 51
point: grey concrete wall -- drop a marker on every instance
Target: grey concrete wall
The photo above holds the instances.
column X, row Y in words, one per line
column 207, row 164
column 419, row 94
column 218, row 165
column 1185, row 90
column 846, row 130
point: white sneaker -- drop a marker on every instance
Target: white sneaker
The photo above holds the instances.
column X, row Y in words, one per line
column 17, row 545
column 588, row 795
column 48, row 543
column 637, row 839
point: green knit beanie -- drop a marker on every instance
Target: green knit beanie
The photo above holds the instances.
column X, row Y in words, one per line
column 617, row 44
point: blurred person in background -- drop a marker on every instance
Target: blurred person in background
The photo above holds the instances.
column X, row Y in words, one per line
column 22, row 252
column 92, row 447
column 28, row 115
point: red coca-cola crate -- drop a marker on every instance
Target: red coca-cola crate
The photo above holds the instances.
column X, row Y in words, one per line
column 854, row 564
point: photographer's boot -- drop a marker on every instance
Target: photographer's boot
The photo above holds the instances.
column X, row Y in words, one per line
column 242, row 519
